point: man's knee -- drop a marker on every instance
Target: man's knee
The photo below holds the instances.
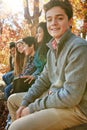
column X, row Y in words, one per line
column 14, row 126
column 11, row 99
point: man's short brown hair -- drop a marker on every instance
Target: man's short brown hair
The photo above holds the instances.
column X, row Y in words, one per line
column 64, row 4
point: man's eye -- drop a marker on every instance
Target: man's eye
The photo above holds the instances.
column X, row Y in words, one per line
column 60, row 18
column 48, row 20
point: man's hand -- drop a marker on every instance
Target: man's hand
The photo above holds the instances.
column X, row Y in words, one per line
column 19, row 111
column 25, row 112
column 28, row 78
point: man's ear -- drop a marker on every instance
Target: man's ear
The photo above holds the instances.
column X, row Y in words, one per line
column 32, row 46
column 71, row 22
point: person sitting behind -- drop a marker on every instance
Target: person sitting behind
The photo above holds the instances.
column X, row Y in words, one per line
column 8, row 77
column 19, row 57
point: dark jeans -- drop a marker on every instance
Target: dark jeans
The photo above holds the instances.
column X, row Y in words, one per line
column 7, row 90
column 8, row 77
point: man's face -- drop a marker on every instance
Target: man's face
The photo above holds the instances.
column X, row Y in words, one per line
column 28, row 50
column 57, row 22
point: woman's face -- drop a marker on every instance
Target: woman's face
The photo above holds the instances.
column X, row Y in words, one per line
column 40, row 34
column 20, row 47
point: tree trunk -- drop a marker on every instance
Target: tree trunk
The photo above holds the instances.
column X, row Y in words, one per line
column 32, row 20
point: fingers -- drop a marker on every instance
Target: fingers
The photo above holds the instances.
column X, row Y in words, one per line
column 30, row 80
column 26, row 80
column 19, row 112
column 25, row 112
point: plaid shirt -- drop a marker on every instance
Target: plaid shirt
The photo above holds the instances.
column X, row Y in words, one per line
column 30, row 67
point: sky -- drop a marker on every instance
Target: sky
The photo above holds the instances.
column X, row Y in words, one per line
column 14, row 5
column 10, row 7
column 17, row 5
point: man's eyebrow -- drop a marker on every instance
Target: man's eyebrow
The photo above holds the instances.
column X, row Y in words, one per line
column 55, row 15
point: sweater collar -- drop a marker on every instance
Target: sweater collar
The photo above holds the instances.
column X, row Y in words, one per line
column 62, row 40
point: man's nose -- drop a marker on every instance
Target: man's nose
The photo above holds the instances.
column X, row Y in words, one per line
column 54, row 21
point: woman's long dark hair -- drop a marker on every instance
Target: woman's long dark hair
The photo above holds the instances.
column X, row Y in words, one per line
column 46, row 38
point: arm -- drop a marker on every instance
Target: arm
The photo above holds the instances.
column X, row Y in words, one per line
column 37, row 89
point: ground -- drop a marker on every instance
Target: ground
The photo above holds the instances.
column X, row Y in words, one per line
column 3, row 114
